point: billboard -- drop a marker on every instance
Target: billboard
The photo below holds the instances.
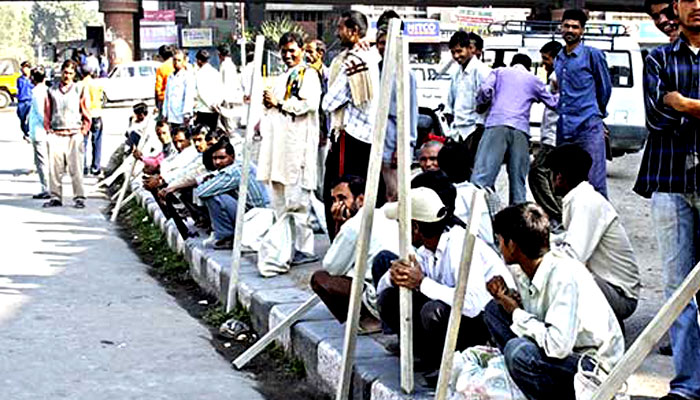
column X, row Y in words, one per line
column 196, row 37
column 152, row 37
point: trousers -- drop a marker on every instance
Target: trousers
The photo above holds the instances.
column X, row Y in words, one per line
column 222, row 213
column 541, row 185
column 590, row 137
column 41, row 161
column 95, row 138
column 66, row 153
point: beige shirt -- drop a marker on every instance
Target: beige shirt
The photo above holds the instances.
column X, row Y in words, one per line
column 564, row 311
column 595, row 236
column 289, row 145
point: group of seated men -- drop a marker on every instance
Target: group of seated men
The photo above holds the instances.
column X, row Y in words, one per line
column 525, row 288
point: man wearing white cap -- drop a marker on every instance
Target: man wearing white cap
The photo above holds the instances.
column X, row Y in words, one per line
column 432, row 276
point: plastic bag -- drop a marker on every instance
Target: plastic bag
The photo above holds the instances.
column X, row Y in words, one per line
column 589, row 377
column 479, row 373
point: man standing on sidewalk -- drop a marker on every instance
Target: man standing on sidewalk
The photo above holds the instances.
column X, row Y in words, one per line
column 584, row 88
column 24, row 97
column 37, row 133
column 232, row 90
column 94, row 92
column 162, row 73
column 510, row 92
column 670, row 175
column 66, row 120
column 208, row 92
column 178, row 102
column 288, row 151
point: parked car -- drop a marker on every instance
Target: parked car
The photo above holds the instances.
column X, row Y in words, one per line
column 130, row 81
column 9, row 72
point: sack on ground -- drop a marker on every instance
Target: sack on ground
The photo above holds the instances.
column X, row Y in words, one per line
column 479, row 373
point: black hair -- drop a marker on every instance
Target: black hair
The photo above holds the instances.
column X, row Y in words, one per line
column 552, row 48
column 451, row 162
column 223, row 143
column 320, row 46
column 527, row 225
column 478, row 41
column 140, row 108
column 571, row 161
column 70, row 64
column 224, row 50
column 290, row 37
column 355, row 20
column 182, row 129
column 38, row 74
column 523, row 60
column 202, row 55
column 355, row 183
column 459, row 38
column 440, row 183
column 161, row 124
column 166, row 51
column 649, row 3
column 383, row 21
column 25, row 64
column 575, row 14
column 200, row 129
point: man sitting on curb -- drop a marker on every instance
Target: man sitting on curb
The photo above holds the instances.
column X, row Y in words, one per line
column 594, row 234
column 163, row 134
column 333, row 283
column 559, row 313
column 432, row 276
column 219, row 191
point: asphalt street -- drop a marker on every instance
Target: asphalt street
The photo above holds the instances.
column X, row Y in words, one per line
column 80, row 318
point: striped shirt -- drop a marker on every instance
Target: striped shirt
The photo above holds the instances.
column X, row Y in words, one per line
column 670, row 161
column 228, row 180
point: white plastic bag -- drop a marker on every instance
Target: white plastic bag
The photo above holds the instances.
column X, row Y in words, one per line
column 479, row 373
column 588, row 379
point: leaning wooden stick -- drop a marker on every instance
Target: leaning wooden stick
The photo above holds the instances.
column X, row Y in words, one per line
column 128, row 175
column 272, row 334
column 458, row 301
column 661, row 323
column 403, row 129
column 255, row 109
column 373, row 170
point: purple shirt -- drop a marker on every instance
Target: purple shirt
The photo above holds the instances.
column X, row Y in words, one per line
column 511, row 92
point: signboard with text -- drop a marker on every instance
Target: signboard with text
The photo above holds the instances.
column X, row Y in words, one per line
column 158, row 17
column 422, row 28
column 197, row 37
column 152, row 37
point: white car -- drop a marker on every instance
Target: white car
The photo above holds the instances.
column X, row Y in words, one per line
column 134, row 80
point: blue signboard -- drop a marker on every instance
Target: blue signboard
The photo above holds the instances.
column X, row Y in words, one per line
column 422, row 28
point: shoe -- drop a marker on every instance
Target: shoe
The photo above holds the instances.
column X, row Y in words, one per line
column 53, row 203
column 224, row 244
column 79, row 203
column 95, row 171
column 85, row 171
column 209, row 242
column 42, row 196
column 303, row 258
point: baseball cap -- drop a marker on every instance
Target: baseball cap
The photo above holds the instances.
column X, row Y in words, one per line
column 426, row 206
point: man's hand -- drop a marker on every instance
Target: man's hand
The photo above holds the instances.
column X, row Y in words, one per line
column 137, row 154
column 675, row 100
column 340, row 213
column 269, row 99
column 162, row 193
column 363, row 45
column 406, row 273
column 502, row 294
column 151, row 182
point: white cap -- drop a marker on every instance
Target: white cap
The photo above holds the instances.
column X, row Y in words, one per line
column 426, row 206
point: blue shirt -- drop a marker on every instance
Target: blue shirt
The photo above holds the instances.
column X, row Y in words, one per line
column 584, row 87
column 179, row 96
column 228, row 180
column 671, row 159
column 24, row 89
column 461, row 99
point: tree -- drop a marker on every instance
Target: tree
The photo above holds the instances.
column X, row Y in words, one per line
column 15, row 33
column 56, row 21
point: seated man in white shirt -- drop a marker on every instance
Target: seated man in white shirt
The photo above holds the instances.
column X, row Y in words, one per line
column 559, row 314
column 594, row 234
column 333, row 283
column 432, row 275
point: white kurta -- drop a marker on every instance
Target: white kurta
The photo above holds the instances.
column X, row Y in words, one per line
column 289, row 144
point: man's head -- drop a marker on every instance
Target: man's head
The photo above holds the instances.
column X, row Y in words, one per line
column 165, row 51
column 522, row 231
column 428, row 157
column 429, row 216
column 383, row 29
column 291, row 47
column 222, row 154
column 214, row 136
column 38, row 75
column 140, row 111
column 460, row 47
column 476, row 45
column 573, row 25
column 521, row 59
column 163, row 132
column 663, row 15
column 348, row 193
column 315, row 51
column 570, row 165
column 199, row 138
column 440, row 183
column 352, row 26
column 68, row 71
column 26, row 68
column 179, row 61
column 202, row 57
column 181, row 139
column 549, row 52
column 223, row 52
column 688, row 12
column 451, row 162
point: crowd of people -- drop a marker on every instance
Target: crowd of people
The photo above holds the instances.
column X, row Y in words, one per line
column 550, row 280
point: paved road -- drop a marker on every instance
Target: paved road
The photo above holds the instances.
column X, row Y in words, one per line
column 79, row 316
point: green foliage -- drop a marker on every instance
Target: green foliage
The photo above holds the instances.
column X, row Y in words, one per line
column 15, row 33
column 292, row 365
column 54, row 21
column 275, row 28
column 216, row 316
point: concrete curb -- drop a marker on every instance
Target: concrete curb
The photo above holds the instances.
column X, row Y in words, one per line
column 317, row 339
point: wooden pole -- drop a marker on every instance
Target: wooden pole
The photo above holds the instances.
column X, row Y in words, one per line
column 253, row 110
column 272, row 334
column 403, row 129
column 373, row 170
column 128, row 175
column 641, row 347
column 458, row 301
